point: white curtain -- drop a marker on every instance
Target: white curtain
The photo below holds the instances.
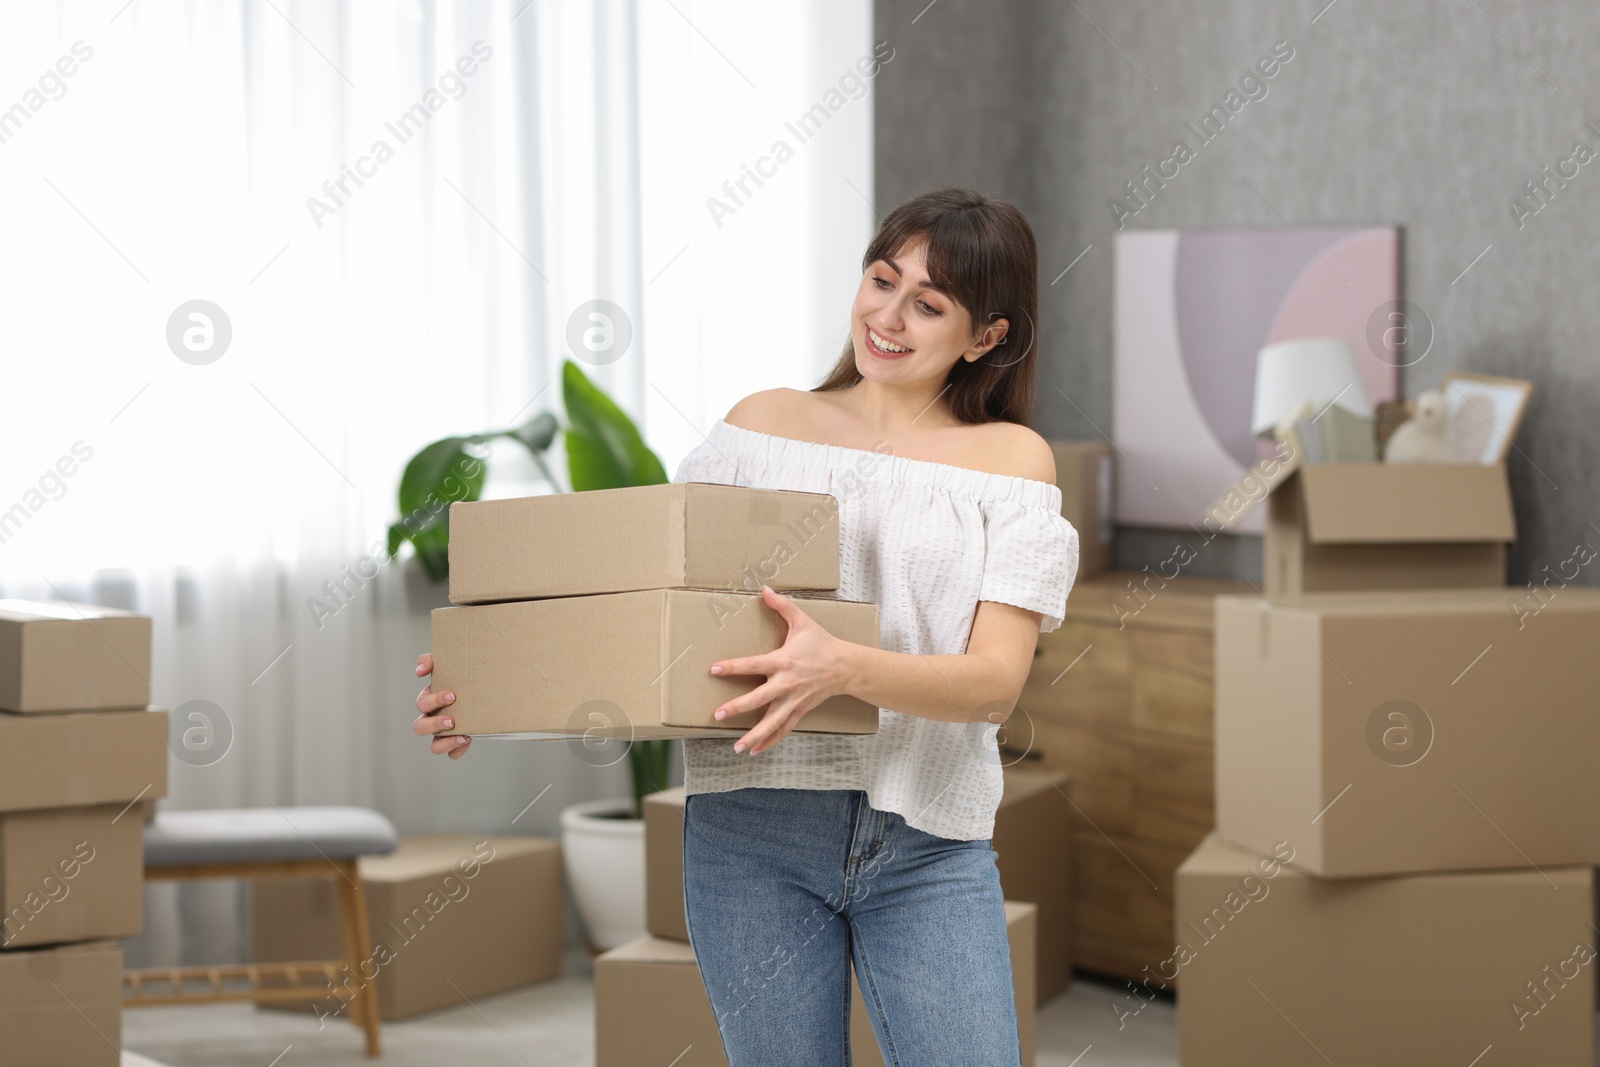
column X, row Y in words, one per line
column 403, row 211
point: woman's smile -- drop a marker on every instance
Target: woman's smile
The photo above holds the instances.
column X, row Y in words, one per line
column 876, row 343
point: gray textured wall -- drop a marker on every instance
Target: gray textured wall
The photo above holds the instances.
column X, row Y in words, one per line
column 1426, row 113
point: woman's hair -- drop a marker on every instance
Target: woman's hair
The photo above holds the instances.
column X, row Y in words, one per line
column 981, row 251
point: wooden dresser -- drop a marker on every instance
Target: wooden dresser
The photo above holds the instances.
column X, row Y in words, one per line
column 1120, row 697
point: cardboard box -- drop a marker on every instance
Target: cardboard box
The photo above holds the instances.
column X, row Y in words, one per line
column 626, row 665
column 61, row 1006
column 1033, row 845
column 71, row 874
column 1343, row 526
column 670, row 536
column 663, row 865
column 1032, row 837
column 60, row 656
column 484, row 912
column 77, row 758
column 1386, row 733
column 1417, row 971
column 1084, row 475
column 650, row 1004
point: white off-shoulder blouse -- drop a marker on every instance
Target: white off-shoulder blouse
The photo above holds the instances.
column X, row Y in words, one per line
column 925, row 541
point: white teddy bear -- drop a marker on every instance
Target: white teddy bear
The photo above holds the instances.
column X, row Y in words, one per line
column 1433, row 435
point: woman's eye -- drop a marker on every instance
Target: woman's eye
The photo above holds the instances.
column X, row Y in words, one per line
column 927, row 308
column 881, row 283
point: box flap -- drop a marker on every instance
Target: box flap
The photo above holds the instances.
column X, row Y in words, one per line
column 428, row 858
column 45, row 610
column 650, row 949
column 1022, row 781
column 565, row 544
column 737, row 538
column 1398, row 502
column 1235, row 505
column 671, row 798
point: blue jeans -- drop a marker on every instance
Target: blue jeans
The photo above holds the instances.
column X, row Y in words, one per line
column 784, row 887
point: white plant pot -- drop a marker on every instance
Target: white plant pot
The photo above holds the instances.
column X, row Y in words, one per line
column 603, row 851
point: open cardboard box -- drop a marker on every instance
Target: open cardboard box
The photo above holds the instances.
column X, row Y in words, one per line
column 675, row 535
column 630, row 666
column 1334, row 526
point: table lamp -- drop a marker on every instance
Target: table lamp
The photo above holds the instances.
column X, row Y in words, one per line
column 1320, row 370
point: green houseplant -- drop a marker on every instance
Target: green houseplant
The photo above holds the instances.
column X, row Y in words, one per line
column 604, row 451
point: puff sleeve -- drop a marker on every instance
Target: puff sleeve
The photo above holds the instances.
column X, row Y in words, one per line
column 1030, row 558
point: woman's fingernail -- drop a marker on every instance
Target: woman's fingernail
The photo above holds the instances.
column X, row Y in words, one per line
column 722, row 713
column 449, row 724
column 716, row 668
column 449, row 698
column 462, row 740
column 738, row 746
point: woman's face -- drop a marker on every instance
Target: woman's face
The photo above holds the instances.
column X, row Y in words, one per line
column 904, row 331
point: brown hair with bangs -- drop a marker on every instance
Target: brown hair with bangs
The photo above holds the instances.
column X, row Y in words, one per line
column 980, row 251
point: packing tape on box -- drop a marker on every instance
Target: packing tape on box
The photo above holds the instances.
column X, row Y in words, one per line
column 44, row 965
column 71, row 918
column 82, row 737
column 83, row 788
column 765, row 510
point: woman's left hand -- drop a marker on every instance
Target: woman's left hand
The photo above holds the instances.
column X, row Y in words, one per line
column 808, row 669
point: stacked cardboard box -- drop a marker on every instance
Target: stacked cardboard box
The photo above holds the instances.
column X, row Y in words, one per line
column 459, row 915
column 79, row 747
column 651, row 1006
column 598, row 614
column 1282, row 967
column 1406, row 823
column 1032, row 841
column 1084, row 476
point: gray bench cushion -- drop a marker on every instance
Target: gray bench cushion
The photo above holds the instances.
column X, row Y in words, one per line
column 251, row 835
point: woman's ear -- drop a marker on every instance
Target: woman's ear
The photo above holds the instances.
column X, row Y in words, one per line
column 994, row 334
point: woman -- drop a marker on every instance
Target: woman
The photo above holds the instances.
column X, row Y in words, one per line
column 803, row 852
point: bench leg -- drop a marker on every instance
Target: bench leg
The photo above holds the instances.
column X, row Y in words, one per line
column 353, row 922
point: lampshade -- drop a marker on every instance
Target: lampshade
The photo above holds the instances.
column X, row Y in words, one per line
column 1314, row 369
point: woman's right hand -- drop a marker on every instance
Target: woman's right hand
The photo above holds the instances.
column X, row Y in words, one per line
column 433, row 720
